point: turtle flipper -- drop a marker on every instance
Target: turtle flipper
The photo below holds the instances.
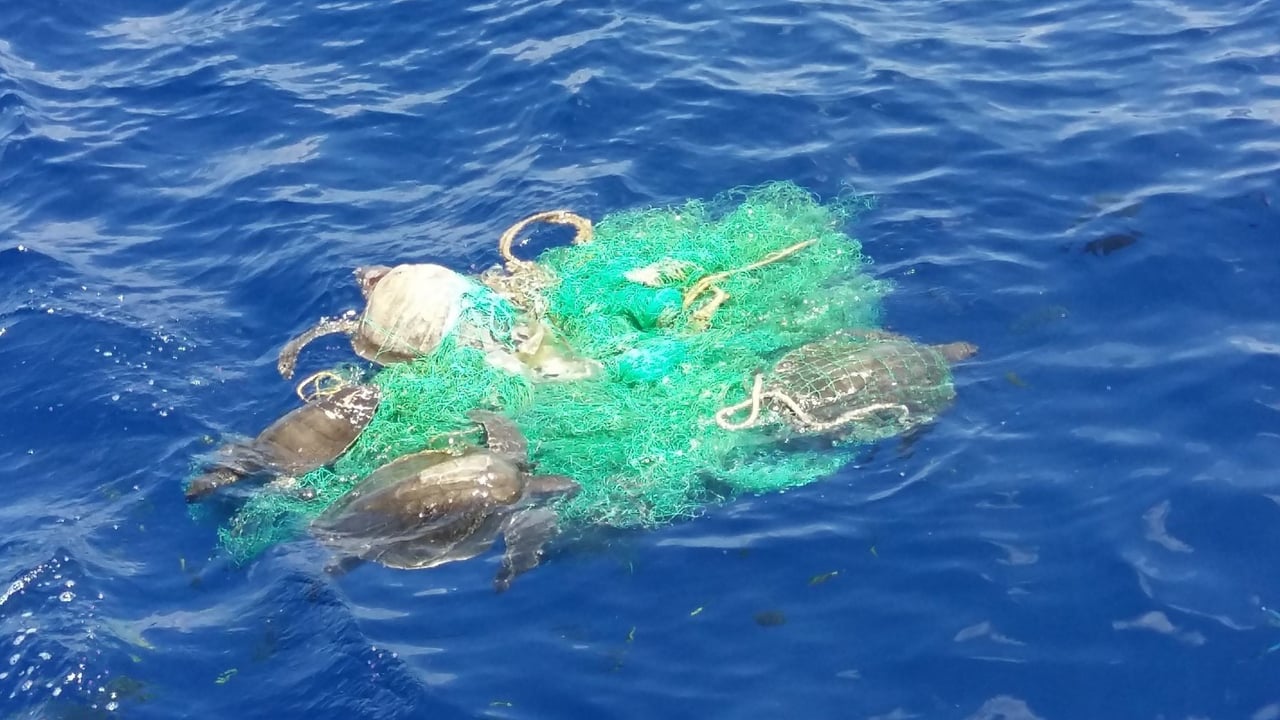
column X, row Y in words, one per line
column 289, row 353
column 525, row 533
column 340, row 566
column 210, row 481
column 544, row 486
column 911, row 436
column 502, row 436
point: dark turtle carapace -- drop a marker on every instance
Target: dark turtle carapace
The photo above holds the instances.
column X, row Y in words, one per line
column 408, row 308
column 307, row 438
column 435, row 507
column 852, row 376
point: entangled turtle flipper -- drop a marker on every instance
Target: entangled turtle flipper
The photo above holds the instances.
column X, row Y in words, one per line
column 327, row 326
column 525, row 534
column 208, row 482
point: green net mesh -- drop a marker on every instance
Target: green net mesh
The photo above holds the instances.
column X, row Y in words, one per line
column 641, row 437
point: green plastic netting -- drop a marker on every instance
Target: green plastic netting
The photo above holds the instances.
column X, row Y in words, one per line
column 641, row 438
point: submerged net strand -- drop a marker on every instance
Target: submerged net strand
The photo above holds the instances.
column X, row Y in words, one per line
column 641, row 438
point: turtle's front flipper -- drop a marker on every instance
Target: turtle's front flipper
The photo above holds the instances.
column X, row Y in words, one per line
column 340, row 566
column 205, row 484
column 525, row 533
column 910, row 437
column 289, row 353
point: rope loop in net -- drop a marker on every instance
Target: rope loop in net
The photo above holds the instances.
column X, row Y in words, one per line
column 315, row 387
column 701, row 318
column 805, row 421
column 585, row 233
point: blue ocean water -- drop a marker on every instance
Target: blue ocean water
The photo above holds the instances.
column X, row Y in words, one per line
column 1086, row 189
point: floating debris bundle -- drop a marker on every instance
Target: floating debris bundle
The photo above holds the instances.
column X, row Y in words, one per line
column 677, row 309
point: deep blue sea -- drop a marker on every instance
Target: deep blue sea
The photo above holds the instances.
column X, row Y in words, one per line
column 1087, row 189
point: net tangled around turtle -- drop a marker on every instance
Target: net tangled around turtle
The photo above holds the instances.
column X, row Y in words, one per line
column 865, row 377
column 681, row 306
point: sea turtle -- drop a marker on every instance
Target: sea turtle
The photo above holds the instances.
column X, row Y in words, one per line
column 408, row 310
column 855, row 375
column 307, row 438
column 435, row 507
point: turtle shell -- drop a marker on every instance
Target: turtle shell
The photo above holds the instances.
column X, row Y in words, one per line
column 315, row 434
column 308, row 437
column 408, row 310
column 831, row 377
column 424, row 509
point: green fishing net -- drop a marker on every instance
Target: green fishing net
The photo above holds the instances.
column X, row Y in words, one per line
column 641, row 437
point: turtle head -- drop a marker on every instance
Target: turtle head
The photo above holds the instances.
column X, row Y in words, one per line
column 367, row 276
column 957, row 351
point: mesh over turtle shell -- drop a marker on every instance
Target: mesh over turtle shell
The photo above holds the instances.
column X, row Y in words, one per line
column 830, row 378
column 874, row 381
